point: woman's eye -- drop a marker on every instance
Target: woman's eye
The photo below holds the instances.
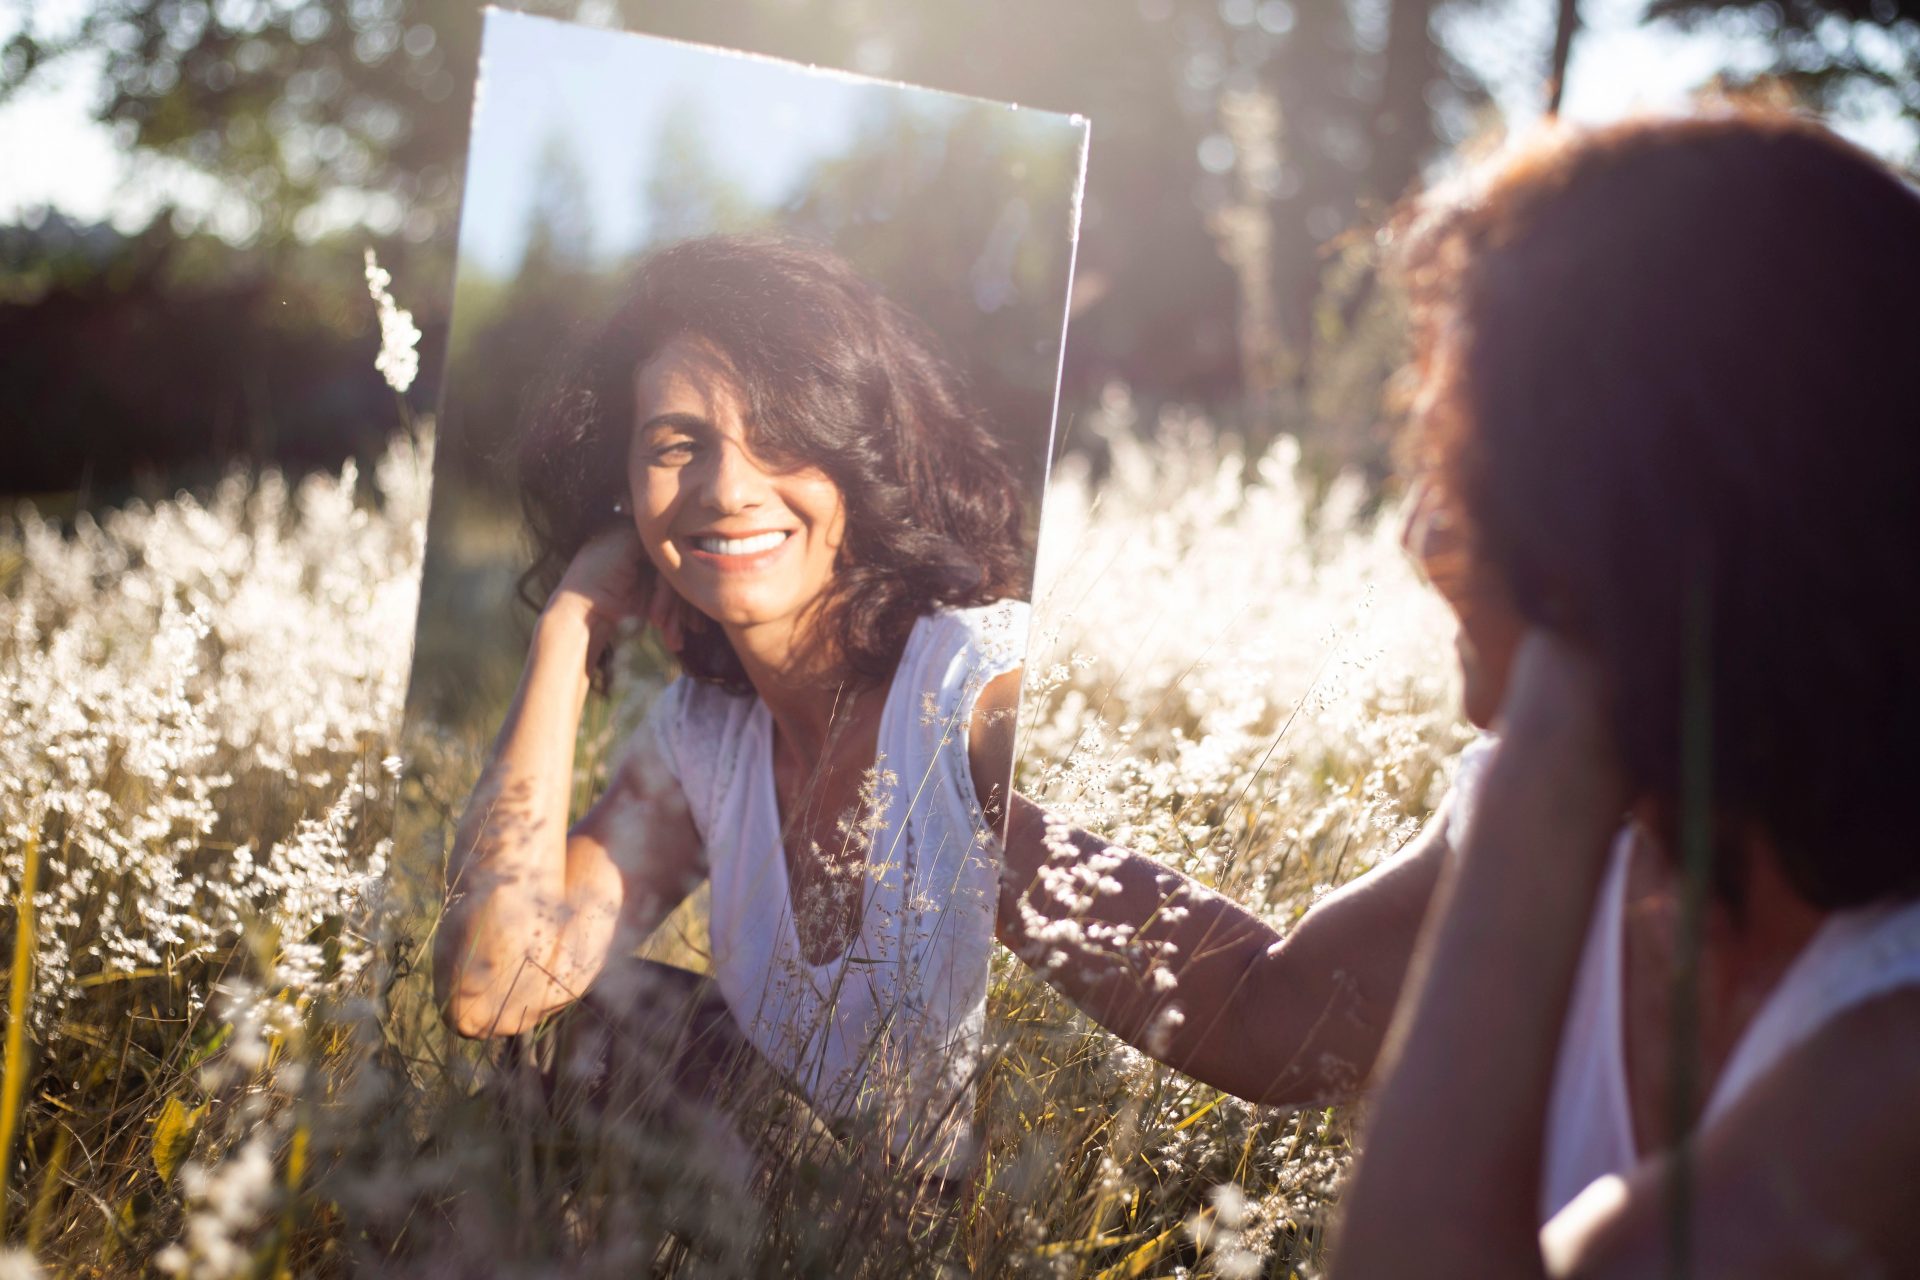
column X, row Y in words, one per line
column 673, row 453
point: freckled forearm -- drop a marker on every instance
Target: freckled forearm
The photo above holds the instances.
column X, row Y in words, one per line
column 1155, row 958
column 507, row 873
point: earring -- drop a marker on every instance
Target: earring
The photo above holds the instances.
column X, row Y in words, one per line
column 619, row 507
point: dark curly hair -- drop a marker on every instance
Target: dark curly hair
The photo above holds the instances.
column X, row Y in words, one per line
column 834, row 376
column 1670, row 364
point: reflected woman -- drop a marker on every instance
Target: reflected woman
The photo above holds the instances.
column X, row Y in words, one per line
column 767, row 461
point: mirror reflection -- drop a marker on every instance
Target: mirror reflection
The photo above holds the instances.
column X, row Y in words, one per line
column 749, row 402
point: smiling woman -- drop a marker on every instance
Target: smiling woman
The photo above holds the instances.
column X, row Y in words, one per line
column 768, row 462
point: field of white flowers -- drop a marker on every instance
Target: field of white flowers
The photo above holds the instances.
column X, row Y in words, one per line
column 220, row 1061
column 198, row 696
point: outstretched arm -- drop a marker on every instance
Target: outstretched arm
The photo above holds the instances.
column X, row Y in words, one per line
column 1189, row 976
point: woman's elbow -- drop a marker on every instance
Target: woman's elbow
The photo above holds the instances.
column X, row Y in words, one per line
column 474, row 1022
column 483, row 1016
column 465, row 1019
column 468, row 1001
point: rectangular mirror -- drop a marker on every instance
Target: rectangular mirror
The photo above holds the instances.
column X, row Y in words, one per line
column 749, row 400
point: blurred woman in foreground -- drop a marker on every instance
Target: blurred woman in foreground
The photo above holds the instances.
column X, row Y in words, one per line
column 1656, row 963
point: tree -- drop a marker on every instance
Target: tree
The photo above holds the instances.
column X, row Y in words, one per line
column 286, row 104
column 1849, row 57
column 560, row 224
column 684, row 193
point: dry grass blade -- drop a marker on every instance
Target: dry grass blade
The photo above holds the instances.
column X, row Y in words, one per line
column 13, row 1087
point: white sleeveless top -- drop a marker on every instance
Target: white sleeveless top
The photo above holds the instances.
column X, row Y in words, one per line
column 892, row 1029
column 1855, row 956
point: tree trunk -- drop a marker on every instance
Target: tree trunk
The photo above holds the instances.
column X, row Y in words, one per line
column 1565, row 25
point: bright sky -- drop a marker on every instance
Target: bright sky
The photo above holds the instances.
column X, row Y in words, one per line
column 51, row 152
column 761, row 125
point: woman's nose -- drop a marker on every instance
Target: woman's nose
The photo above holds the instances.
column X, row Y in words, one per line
column 734, row 481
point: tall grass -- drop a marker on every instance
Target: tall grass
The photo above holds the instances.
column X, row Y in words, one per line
column 235, row 1068
column 196, row 698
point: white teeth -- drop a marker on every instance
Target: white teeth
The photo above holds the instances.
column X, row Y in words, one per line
column 741, row 546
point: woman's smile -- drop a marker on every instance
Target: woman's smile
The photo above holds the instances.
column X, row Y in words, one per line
column 737, row 552
column 749, row 544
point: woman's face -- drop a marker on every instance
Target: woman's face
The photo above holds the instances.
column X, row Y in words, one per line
column 1489, row 628
column 745, row 543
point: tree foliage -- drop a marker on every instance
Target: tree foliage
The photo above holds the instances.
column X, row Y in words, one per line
column 319, row 114
column 1853, row 58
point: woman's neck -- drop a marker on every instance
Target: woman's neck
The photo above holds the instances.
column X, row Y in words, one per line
column 1769, row 921
column 806, row 689
column 1746, row 949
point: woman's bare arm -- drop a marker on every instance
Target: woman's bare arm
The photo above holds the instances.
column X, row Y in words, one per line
column 1449, row 1174
column 535, row 909
column 1186, row 974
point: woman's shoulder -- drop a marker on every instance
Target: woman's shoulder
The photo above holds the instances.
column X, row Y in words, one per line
column 1859, row 956
column 992, row 636
column 1808, row 1173
column 693, row 729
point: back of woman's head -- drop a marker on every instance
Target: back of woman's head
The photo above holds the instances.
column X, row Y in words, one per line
column 1669, row 373
column 833, row 375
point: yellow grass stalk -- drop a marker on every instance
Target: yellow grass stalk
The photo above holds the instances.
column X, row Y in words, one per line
column 49, row 1188
column 1196, row 1116
column 13, row 1086
column 1141, row 1260
column 289, row 1221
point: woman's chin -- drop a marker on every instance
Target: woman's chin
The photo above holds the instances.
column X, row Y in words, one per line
column 739, row 614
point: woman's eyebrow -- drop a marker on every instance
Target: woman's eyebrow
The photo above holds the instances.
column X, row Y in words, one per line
column 679, row 420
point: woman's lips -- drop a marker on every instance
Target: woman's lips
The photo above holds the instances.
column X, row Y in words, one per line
column 740, row 552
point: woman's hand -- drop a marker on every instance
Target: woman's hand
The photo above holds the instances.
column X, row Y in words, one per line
column 1555, row 738
column 610, row 581
column 1449, row 1180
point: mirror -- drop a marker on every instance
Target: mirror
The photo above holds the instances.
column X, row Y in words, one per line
column 749, row 399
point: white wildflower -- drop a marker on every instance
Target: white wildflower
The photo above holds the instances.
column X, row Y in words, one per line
column 18, row 1264
column 1160, row 1031
column 163, row 664
column 1229, row 1205
column 399, row 360
column 225, row 1204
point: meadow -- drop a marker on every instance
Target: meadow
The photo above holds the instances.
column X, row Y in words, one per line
column 222, row 1060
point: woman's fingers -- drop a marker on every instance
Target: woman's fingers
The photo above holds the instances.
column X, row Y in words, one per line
column 604, row 581
column 1555, row 713
column 606, row 570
